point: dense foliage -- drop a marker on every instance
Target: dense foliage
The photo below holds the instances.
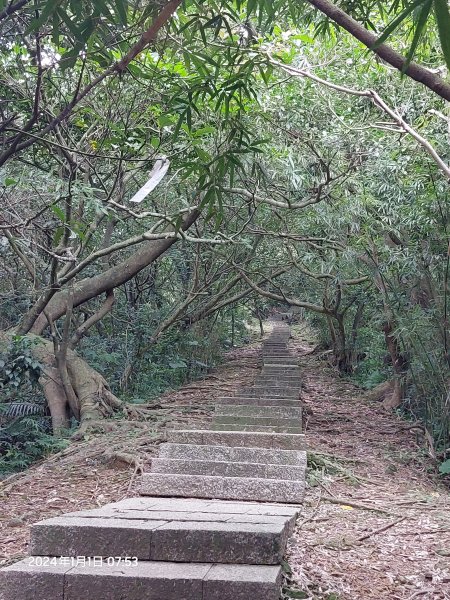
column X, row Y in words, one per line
column 171, row 170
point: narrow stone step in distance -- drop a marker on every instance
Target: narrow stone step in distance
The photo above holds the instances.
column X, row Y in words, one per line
column 224, row 453
column 235, row 439
column 265, row 401
column 227, row 469
column 249, row 410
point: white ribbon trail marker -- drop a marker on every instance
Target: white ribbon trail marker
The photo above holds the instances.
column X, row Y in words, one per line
column 157, row 174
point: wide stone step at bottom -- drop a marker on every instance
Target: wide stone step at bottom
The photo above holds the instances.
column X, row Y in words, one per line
column 143, row 505
column 237, row 439
column 236, row 455
column 228, row 469
column 145, row 580
column 227, row 488
column 162, row 540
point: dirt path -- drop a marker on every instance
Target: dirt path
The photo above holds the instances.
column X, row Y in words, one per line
column 376, row 523
column 105, row 466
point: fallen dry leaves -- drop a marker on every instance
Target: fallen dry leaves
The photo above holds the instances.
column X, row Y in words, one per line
column 380, row 528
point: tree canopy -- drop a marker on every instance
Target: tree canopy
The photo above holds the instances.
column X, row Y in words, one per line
column 169, row 170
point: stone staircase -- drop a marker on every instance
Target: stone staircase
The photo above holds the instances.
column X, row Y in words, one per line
column 214, row 516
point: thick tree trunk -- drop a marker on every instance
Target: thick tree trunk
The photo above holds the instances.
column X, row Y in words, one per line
column 86, row 289
column 399, row 365
column 93, row 398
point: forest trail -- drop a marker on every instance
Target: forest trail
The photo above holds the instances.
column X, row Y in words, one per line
column 216, row 507
column 375, row 522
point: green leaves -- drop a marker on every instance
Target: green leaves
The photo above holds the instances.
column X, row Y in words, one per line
column 418, row 14
column 444, row 468
column 442, row 15
column 397, row 21
column 419, row 30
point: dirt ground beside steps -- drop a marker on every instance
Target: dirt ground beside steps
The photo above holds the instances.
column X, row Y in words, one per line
column 376, row 523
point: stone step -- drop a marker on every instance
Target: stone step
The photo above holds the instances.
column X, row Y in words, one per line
column 216, row 509
column 224, row 453
column 260, row 391
column 276, row 378
column 162, row 540
column 227, row 469
column 271, row 382
column 237, row 439
column 249, row 410
column 145, row 580
column 279, row 384
column 282, row 363
column 279, row 355
column 247, row 400
column 281, row 371
column 274, row 420
column 280, row 367
column 257, row 428
column 228, row 488
column 272, row 377
column 263, row 390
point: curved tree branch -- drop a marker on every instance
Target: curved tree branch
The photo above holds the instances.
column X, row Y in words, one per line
column 385, row 52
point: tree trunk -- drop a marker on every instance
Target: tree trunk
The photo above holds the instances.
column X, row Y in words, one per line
column 399, row 365
column 94, row 400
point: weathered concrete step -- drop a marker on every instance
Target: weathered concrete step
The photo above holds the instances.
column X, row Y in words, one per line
column 281, row 372
column 288, row 360
column 223, row 453
column 170, row 541
column 228, row 488
column 262, row 390
column 215, row 508
column 276, row 379
column 256, row 428
column 250, row 410
column 237, row 439
column 271, row 388
column 280, row 377
column 231, row 427
column 142, row 581
column 228, row 469
column 247, row 400
column 278, row 384
column 258, row 392
column 279, row 368
column 271, row 382
column 275, row 420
